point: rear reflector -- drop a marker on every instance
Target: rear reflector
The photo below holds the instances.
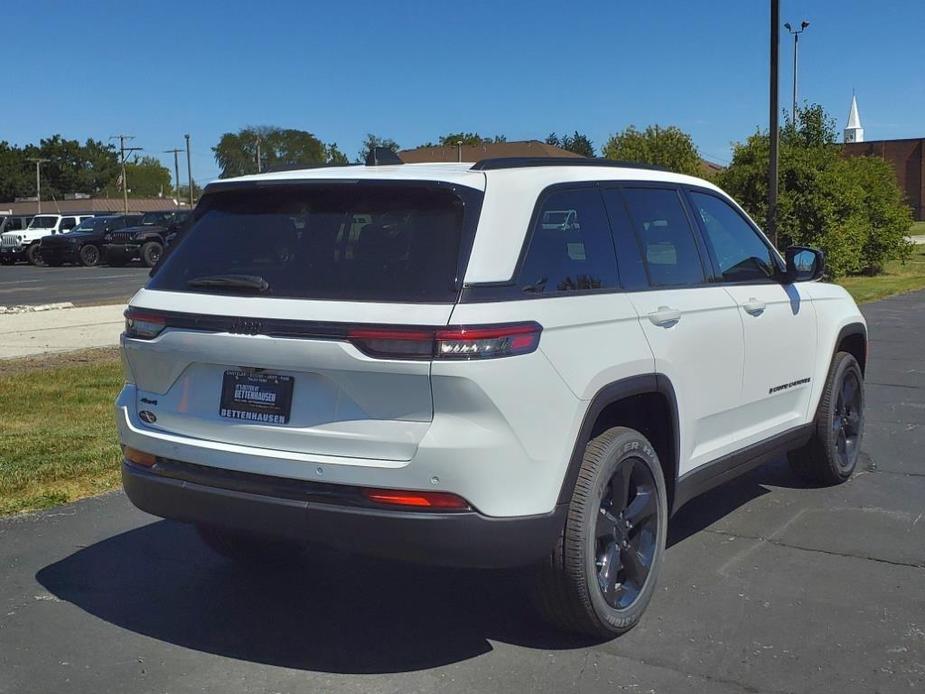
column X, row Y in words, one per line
column 133, row 455
column 143, row 326
column 457, row 342
column 435, row 500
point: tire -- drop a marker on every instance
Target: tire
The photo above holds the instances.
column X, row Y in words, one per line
column 831, row 455
column 249, row 550
column 116, row 259
column 89, row 255
column 151, row 253
column 592, row 553
column 33, row 255
column 7, row 260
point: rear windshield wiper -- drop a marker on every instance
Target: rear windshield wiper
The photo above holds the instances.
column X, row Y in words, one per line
column 254, row 283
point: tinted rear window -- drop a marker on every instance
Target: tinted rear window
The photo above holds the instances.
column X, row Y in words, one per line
column 350, row 241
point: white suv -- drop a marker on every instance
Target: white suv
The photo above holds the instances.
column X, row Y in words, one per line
column 521, row 361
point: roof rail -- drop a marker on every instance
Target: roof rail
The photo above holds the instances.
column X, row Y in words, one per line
column 496, row 163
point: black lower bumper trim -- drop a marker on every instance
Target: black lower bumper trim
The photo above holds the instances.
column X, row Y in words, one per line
column 464, row 539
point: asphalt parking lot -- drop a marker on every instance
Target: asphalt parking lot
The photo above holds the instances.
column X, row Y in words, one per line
column 768, row 586
column 23, row 284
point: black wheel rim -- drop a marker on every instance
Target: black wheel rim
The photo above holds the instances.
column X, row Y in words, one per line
column 154, row 255
column 846, row 420
column 626, row 533
column 91, row 255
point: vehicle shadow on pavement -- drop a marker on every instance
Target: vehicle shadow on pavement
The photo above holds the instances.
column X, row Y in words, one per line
column 329, row 611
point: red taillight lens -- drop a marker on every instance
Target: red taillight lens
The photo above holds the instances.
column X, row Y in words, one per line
column 476, row 342
column 487, row 342
column 143, row 326
column 434, row 500
column 393, row 343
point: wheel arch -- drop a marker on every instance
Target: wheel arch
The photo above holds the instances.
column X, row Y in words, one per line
column 646, row 403
column 852, row 338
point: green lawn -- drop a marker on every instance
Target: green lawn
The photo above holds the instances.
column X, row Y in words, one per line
column 898, row 278
column 58, row 437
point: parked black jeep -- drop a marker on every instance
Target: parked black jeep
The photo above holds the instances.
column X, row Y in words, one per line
column 146, row 240
column 83, row 243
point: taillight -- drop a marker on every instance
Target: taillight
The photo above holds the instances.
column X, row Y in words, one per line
column 143, row 326
column 487, row 342
column 443, row 501
column 457, row 342
column 393, row 343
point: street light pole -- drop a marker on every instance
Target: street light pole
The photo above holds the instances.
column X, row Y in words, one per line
column 189, row 171
column 796, row 54
column 176, row 170
column 773, row 128
column 38, row 181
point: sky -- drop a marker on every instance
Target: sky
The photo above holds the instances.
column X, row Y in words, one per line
column 414, row 70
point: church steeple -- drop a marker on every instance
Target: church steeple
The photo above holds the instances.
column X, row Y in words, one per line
column 853, row 131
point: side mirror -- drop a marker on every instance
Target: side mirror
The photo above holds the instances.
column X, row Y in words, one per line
column 804, row 264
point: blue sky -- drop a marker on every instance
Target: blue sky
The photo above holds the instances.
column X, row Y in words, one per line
column 415, row 70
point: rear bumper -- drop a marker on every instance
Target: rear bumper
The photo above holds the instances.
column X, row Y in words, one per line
column 463, row 539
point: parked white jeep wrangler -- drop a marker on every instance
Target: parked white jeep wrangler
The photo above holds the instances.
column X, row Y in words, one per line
column 517, row 362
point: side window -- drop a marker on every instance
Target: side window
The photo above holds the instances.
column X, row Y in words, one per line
column 117, row 223
column 665, row 237
column 67, row 223
column 740, row 253
column 570, row 245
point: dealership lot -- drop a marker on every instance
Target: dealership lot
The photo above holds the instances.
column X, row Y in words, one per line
column 768, row 586
column 29, row 285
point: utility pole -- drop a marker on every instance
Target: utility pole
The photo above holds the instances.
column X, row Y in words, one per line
column 189, row 171
column 38, row 180
column 774, row 130
column 796, row 40
column 176, row 170
column 258, row 154
column 122, row 150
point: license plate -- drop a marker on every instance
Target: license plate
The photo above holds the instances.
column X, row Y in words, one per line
column 261, row 398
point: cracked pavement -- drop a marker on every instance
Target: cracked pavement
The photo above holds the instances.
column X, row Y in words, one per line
column 768, row 586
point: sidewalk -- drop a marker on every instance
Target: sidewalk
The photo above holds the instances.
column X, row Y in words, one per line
column 63, row 330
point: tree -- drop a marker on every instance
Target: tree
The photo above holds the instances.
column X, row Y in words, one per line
column 375, row 141
column 467, row 140
column 183, row 192
column 851, row 208
column 669, row 147
column 14, row 179
column 578, row 143
column 236, row 153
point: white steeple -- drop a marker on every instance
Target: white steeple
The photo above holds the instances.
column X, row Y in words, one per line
column 853, row 131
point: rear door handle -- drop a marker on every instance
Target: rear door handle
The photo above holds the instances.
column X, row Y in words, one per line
column 754, row 307
column 665, row 316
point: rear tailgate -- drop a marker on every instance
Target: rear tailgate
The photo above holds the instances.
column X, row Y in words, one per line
column 269, row 364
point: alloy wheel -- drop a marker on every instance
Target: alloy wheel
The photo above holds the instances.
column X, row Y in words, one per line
column 846, row 420
column 626, row 533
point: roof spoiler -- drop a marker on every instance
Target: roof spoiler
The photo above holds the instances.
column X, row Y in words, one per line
column 382, row 156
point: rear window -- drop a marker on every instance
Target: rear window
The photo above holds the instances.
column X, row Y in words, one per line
column 348, row 241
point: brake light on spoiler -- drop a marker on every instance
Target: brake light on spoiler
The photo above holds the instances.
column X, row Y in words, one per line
column 455, row 342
